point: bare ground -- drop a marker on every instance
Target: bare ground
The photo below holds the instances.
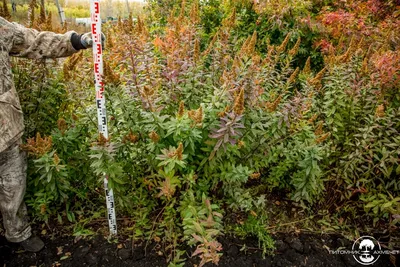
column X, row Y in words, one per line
column 292, row 250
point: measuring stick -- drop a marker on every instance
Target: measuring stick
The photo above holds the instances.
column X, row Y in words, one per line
column 101, row 102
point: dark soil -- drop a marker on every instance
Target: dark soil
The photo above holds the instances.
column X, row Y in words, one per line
column 300, row 250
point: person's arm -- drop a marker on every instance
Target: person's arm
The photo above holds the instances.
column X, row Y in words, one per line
column 30, row 43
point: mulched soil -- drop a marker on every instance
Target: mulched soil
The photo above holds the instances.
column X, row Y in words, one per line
column 292, row 250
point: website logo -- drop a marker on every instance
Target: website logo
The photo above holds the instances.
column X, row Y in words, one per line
column 368, row 250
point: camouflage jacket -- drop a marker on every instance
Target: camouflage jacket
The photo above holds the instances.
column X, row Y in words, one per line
column 18, row 41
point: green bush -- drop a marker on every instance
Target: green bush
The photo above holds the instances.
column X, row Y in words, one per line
column 199, row 131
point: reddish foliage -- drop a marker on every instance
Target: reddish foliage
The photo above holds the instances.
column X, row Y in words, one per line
column 342, row 22
column 387, row 69
column 325, row 46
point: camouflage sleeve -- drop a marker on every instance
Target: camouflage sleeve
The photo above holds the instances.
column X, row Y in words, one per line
column 30, row 43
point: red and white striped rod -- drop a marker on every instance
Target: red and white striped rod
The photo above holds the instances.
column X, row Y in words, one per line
column 101, row 102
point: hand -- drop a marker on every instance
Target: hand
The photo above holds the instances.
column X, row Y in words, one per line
column 87, row 41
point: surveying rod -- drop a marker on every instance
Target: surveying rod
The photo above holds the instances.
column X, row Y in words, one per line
column 60, row 12
column 101, row 102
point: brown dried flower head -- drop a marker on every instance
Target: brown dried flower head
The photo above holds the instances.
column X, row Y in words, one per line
column 140, row 26
column 182, row 14
column 245, row 45
column 111, row 77
column 380, row 111
column 181, row 110
column 271, row 50
column 130, row 138
column 364, row 68
column 295, row 48
column 319, row 130
column 282, row 47
column 196, row 116
column 237, row 64
column 307, row 66
column 179, row 151
column 241, row 143
column 322, row 138
column 223, row 113
column 271, row 107
column 225, row 77
column 43, row 209
column 154, row 137
column 42, row 13
column 251, row 46
column 119, row 23
column 349, row 52
column 128, row 25
column 38, row 146
column 192, row 114
column 238, row 106
column 56, row 159
column 62, row 125
column 49, row 22
column 313, row 118
column 147, row 91
column 199, row 115
column 294, row 75
column 171, row 154
column 31, row 12
column 255, row 175
column 110, row 40
column 317, row 79
column 166, row 189
column 230, row 21
column 256, row 59
column 211, row 44
column 196, row 50
column 64, row 28
column 194, row 13
column 102, row 140
column 71, row 63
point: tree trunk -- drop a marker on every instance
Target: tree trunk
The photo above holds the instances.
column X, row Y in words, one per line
column 6, row 14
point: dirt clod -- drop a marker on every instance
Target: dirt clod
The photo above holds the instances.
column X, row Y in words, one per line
column 296, row 245
column 232, row 251
column 124, row 254
column 91, row 259
column 281, row 246
column 81, row 251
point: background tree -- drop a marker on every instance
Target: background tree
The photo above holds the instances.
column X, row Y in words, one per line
column 5, row 13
